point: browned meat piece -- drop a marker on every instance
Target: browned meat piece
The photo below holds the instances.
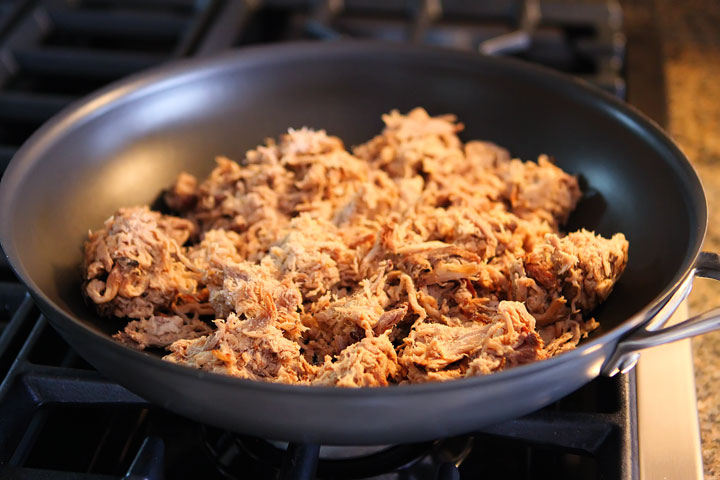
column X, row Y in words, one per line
column 540, row 190
column 253, row 348
column 160, row 331
column 418, row 144
column 486, row 155
column 373, row 201
column 324, row 174
column 313, row 255
column 182, row 196
column 440, row 245
column 417, row 374
column 414, row 143
column 583, row 267
column 565, row 334
column 253, row 292
column 135, row 267
column 547, row 306
column 215, row 249
column 371, row 362
column 244, row 199
column 507, row 339
column 487, row 234
column 345, row 321
column 389, row 319
column 307, row 171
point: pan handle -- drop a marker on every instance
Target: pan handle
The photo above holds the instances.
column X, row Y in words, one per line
column 626, row 354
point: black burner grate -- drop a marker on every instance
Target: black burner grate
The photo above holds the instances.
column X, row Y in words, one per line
column 582, row 38
column 55, row 51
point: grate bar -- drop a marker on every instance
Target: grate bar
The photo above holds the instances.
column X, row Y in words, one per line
column 14, row 298
column 71, row 386
column 580, row 432
column 578, row 13
column 218, row 32
column 12, row 472
column 191, row 5
column 608, row 82
column 300, row 462
column 149, row 461
column 193, row 34
column 30, row 107
column 118, row 23
column 6, row 154
column 83, row 63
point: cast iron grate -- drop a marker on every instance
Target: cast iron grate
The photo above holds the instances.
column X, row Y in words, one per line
column 55, row 51
column 49, row 396
column 582, row 38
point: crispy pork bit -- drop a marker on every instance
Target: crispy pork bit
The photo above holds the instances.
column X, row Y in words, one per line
column 159, row 331
column 182, row 196
column 136, row 266
column 583, row 266
column 415, row 258
column 540, row 190
column 486, row 155
column 249, row 290
column 371, row 362
column 253, row 348
column 506, row 339
column 414, row 143
column 345, row 321
column 314, row 257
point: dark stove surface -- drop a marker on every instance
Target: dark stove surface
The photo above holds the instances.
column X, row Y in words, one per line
column 59, row 418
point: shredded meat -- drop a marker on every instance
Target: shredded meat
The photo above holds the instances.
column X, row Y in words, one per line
column 249, row 290
column 505, row 339
column 136, row 266
column 253, row 348
column 159, row 331
column 314, row 257
column 370, row 362
column 540, row 190
column 182, row 196
column 580, row 268
column 417, row 257
column 346, row 320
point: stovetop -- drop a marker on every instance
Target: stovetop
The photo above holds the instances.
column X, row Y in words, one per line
column 59, row 418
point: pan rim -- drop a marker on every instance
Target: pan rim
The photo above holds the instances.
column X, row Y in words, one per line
column 177, row 73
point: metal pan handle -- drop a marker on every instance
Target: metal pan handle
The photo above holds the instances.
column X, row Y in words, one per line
column 626, row 354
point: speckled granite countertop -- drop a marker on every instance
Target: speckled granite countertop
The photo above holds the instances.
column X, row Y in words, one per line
column 690, row 38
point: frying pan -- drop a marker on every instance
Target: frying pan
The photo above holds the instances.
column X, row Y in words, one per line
column 124, row 144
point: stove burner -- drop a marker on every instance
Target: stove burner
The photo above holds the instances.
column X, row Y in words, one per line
column 233, row 453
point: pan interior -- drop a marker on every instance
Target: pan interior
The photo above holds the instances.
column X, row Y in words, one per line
column 128, row 151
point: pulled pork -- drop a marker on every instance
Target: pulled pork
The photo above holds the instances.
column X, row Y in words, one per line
column 415, row 258
column 136, row 265
column 253, row 348
column 160, row 331
column 503, row 339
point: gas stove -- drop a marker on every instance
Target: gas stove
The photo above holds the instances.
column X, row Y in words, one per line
column 59, row 418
